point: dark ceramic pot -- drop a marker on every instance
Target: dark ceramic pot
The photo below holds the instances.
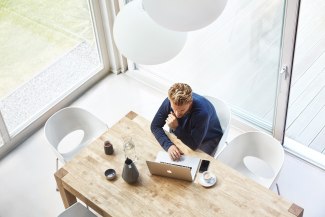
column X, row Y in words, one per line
column 130, row 172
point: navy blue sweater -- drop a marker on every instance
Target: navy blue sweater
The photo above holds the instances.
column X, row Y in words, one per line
column 199, row 125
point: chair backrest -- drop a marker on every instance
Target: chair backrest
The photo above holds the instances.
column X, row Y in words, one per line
column 224, row 115
column 77, row 210
column 70, row 119
column 256, row 155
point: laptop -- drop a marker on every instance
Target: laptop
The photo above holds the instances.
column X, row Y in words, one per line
column 184, row 169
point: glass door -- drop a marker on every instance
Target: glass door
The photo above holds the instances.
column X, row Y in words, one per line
column 305, row 127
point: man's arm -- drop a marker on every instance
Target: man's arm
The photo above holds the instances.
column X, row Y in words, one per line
column 158, row 123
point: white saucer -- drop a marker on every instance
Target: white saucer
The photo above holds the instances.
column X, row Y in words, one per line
column 208, row 184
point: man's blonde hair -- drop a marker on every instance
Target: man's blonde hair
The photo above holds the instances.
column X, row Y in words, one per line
column 180, row 94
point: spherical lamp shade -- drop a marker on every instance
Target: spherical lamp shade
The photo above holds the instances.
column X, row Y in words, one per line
column 184, row 15
column 140, row 39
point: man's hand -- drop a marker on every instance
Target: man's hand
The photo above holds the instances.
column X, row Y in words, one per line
column 174, row 152
column 172, row 121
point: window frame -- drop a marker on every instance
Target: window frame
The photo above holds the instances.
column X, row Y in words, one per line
column 103, row 14
column 289, row 34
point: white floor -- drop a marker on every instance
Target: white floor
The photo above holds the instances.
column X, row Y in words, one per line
column 27, row 185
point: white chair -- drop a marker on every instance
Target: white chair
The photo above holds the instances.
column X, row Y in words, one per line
column 256, row 155
column 224, row 115
column 77, row 210
column 69, row 120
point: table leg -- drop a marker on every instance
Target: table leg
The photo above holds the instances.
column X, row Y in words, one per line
column 296, row 210
column 67, row 198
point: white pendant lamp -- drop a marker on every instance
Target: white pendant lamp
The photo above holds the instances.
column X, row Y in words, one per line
column 184, row 15
column 140, row 39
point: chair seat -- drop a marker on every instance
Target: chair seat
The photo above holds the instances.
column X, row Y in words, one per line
column 77, row 210
column 258, row 167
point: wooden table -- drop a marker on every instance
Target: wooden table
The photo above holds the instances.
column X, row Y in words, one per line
column 233, row 195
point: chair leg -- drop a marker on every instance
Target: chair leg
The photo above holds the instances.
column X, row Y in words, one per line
column 277, row 188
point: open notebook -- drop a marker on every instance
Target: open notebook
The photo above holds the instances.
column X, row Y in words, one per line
column 185, row 169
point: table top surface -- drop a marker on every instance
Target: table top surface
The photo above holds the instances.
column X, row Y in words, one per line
column 233, row 195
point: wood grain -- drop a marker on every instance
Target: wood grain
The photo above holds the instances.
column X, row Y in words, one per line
column 233, row 195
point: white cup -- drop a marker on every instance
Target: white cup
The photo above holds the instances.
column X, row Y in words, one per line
column 207, row 177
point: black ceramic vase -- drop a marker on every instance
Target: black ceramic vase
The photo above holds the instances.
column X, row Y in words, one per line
column 130, row 172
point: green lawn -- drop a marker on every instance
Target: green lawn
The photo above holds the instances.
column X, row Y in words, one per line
column 35, row 34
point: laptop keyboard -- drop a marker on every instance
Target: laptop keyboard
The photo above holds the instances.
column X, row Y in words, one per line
column 177, row 165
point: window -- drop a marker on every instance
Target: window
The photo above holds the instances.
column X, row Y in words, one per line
column 236, row 58
column 47, row 49
column 51, row 51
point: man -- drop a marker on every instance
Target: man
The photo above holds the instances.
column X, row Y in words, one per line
column 191, row 117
